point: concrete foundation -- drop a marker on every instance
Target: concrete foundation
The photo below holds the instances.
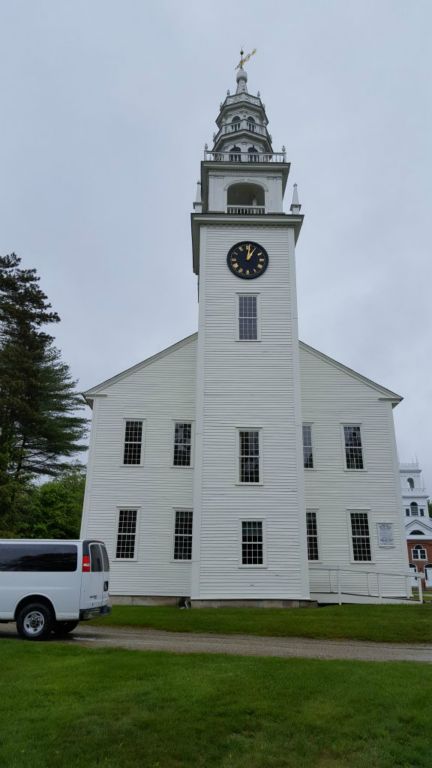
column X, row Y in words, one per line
column 186, row 602
column 267, row 603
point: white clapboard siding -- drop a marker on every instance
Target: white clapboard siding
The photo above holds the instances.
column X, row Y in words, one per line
column 248, row 384
column 331, row 397
column 159, row 393
column 163, row 390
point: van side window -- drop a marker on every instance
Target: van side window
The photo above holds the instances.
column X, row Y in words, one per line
column 48, row 558
column 96, row 558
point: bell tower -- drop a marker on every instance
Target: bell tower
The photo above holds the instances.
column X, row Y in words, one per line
column 249, row 512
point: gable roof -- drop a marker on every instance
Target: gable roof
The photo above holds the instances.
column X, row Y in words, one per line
column 98, row 390
column 421, row 524
column 386, row 394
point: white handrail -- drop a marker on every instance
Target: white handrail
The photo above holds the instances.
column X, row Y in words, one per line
column 337, row 570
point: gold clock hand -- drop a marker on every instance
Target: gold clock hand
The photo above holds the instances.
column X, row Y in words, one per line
column 250, row 253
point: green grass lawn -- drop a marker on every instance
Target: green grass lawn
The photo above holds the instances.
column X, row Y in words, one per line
column 380, row 623
column 68, row 707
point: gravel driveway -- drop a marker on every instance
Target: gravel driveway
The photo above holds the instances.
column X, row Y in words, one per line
column 239, row 645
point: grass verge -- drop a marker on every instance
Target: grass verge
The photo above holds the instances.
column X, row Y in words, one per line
column 67, row 706
column 379, row 623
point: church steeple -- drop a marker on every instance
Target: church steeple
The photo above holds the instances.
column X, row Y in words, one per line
column 242, row 123
column 242, row 178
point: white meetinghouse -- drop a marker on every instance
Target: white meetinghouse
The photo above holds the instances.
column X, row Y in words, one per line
column 240, row 464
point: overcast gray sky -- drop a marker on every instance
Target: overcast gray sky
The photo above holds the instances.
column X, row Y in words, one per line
column 106, row 106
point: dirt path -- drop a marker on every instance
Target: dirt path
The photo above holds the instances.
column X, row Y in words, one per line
column 239, row 645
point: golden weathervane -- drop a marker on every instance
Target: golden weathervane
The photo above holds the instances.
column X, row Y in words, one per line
column 244, row 59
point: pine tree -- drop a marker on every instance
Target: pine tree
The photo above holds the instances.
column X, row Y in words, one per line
column 40, row 425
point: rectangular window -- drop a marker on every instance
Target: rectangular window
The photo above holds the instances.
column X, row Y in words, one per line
column 249, row 456
column 360, row 537
column 183, row 534
column 307, row 447
column 133, row 442
column 248, row 317
column 312, row 535
column 126, row 534
column 252, row 542
column 182, row 444
column 353, row 447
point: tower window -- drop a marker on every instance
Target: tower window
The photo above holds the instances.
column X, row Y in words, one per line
column 252, row 542
column 235, row 123
column 126, row 534
column 182, row 444
column 248, row 317
column 361, row 546
column 235, row 154
column 414, row 509
column 312, row 535
column 307, row 447
column 183, row 534
column 353, row 447
column 410, row 482
column 133, row 442
column 251, row 124
column 249, row 456
column 253, row 156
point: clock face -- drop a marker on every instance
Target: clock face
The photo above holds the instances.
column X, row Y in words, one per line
column 247, row 260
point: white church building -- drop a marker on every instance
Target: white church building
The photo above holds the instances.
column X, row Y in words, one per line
column 240, row 464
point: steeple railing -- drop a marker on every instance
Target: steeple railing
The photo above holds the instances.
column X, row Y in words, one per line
column 245, row 157
column 245, row 210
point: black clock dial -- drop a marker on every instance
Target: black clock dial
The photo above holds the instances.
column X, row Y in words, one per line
column 247, row 260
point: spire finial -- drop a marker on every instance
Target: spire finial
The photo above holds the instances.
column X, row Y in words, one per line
column 295, row 205
column 244, row 59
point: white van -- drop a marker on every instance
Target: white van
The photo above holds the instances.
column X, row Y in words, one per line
column 50, row 585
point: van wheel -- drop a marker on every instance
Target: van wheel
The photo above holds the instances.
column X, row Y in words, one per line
column 35, row 621
column 62, row 628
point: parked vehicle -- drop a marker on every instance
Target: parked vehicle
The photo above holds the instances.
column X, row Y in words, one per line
column 50, row 585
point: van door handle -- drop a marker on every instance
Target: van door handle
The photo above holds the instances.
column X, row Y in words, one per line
column 105, row 586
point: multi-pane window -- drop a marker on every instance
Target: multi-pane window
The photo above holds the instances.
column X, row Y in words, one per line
column 126, row 534
column 182, row 444
column 252, row 542
column 183, row 534
column 353, row 447
column 312, row 535
column 307, row 447
column 249, row 456
column 418, row 553
column 133, row 442
column 360, row 537
column 248, row 317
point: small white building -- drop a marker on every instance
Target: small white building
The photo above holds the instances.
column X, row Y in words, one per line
column 241, row 464
column 418, row 524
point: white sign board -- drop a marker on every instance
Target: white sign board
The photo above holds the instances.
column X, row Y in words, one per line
column 385, row 535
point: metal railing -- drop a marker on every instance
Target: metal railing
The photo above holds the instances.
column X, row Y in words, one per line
column 336, row 585
column 244, row 210
column 245, row 157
